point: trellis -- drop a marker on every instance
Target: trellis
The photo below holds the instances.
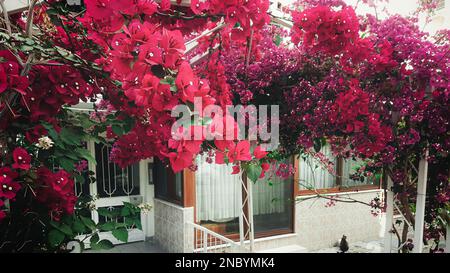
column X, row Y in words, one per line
column 420, row 177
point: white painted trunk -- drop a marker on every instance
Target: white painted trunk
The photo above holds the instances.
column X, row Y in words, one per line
column 420, row 204
column 389, row 217
column 447, row 241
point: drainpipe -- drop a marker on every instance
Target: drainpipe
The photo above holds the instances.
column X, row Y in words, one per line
column 420, row 204
column 389, row 216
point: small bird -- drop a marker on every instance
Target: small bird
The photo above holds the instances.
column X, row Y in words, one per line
column 343, row 245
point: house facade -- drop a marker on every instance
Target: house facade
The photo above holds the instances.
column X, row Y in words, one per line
column 295, row 213
column 286, row 213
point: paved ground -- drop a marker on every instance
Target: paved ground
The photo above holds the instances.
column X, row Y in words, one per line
column 150, row 247
column 357, row 247
column 139, row 247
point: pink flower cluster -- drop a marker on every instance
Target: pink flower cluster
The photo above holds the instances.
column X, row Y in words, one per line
column 322, row 29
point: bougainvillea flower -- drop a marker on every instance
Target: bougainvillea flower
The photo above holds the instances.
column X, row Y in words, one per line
column 264, row 168
column 230, row 152
column 143, row 96
column 56, row 191
column 179, row 161
column 22, row 160
column 62, row 183
column 259, row 152
column 8, row 188
column 198, row 7
column 164, row 5
column 172, row 46
column 7, row 172
column 186, row 82
column 236, row 169
column 164, row 99
column 3, row 80
column 99, row 9
column 323, row 29
column 35, row 133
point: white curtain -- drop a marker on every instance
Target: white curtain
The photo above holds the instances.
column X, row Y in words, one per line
column 217, row 191
column 272, row 198
column 313, row 175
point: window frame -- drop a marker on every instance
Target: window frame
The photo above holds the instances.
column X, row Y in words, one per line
column 191, row 199
column 339, row 188
column 171, row 193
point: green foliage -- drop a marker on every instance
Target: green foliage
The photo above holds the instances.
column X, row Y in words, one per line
column 278, row 40
column 121, row 234
column 253, row 171
column 80, row 224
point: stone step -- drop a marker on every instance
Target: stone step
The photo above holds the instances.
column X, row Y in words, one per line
column 285, row 249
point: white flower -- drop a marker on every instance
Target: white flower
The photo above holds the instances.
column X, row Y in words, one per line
column 91, row 205
column 45, row 143
column 145, row 208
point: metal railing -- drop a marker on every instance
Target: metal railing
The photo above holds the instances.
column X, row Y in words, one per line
column 207, row 241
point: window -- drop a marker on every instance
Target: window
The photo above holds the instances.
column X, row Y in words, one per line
column 341, row 176
column 168, row 185
column 217, row 197
column 113, row 181
column 273, row 205
column 313, row 176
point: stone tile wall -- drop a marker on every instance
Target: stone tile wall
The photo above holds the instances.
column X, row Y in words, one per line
column 170, row 221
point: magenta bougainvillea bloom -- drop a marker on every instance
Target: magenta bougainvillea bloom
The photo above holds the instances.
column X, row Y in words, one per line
column 8, row 188
column 22, row 160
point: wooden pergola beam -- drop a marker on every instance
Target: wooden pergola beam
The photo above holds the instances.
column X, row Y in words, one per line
column 15, row 6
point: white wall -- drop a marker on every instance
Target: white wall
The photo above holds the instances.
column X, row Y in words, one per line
column 16, row 5
column 319, row 227
column 440, row 20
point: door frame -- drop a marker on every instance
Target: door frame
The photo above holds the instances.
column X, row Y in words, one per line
column 147, row 194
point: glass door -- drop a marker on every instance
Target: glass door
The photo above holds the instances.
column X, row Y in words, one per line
column 113, row 187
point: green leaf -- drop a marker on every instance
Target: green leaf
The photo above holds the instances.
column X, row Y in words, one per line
column 103, row 244
column 88, row 222
column 66, row 163
column 78, row 227
column 94, row 238
column 55, row 237
column 128, row 125
column 79, row 179
column 84, row 153
column 108, row 226
column 121, row 234
column 253, row 172
column 277, row 40
column 104, row 212
column 117, row 129
column 65, row 229
column 125, row 211
column 69, row 136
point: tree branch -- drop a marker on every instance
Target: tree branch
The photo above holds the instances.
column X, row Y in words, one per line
column 29, row 25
